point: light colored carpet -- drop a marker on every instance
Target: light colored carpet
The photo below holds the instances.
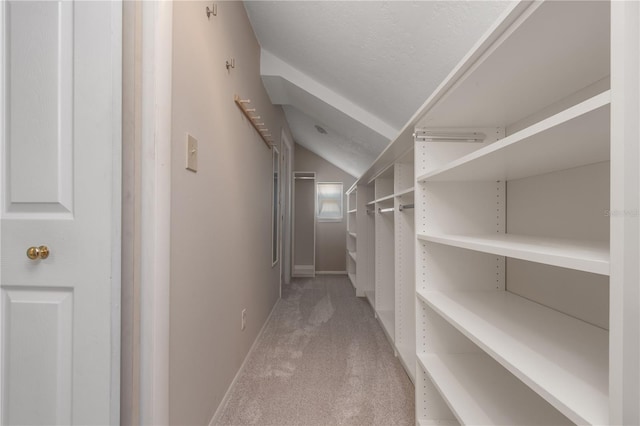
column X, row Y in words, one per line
column 322, row 360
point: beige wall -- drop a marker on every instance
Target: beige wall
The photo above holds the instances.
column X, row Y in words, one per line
column 331, row 242
column 221, row 215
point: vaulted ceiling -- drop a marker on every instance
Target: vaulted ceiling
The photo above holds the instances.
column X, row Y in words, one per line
column 350, row 74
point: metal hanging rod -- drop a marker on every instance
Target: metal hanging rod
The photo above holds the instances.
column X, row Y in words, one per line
column 389, row 210
column 425, row 135
column 304, row 178
column 405, row 206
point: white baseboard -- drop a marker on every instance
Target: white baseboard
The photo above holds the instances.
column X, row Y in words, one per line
column 303, row 271
column 225, row 399
column 331, row 272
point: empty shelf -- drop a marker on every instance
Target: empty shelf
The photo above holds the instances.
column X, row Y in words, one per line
column 561, row 358
column 353, row 255
column 385, row 198
column 574, row 137
column 481, row 392
column 405, row 192
column 588, row 256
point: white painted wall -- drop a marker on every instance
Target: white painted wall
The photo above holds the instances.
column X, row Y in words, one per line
column 221, row 215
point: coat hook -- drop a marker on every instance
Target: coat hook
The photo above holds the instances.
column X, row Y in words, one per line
column 231, row 63
column 213, row 11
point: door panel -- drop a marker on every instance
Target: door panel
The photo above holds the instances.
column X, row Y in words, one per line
column 38, row 355
column 61, row 133
column 39, row 143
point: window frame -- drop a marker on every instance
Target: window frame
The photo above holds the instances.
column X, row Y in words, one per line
column 319, row 203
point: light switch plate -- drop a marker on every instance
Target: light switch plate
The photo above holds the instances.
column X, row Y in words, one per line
column 192, row 153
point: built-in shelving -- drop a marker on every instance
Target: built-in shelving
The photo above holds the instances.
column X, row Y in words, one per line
column 588, row 256
column 405, row 192
column 496, row 84
column 371, row 297
column 516, row 255
column 385, row 252
column 386, row 198
column 353, row 234
column 573, row 137
column 387, row 318
column 480, row 392
column 353, row 256
column 564, row 359
column 390, row 233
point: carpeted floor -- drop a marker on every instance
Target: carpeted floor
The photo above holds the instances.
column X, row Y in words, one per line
column 322, row 360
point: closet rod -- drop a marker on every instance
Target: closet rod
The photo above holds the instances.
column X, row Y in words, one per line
column 405, row 206
column 389, row 210
column 304, row 178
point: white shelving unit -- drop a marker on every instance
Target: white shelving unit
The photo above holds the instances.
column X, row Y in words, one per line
column 562, row 358
column 351, row 236
column 588, row 256
column 359, row 240
column 518, row 285
column 522, row 306
column 386, row 231
column 303, row 252
column 404, row 225
column 385, row 251
column 463, row 377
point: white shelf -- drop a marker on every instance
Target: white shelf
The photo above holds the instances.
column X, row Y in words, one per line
column 352, row 211
column 480, row 392
column 588, row 256
column 353, row 234
column 371, row 203
column 574, row 137
column 385, row 198
column 498, row 84
column 405, row 192
column 563, row 359
column 353, row 255
column 352, row 278
column 371, row 297
column 387, row 319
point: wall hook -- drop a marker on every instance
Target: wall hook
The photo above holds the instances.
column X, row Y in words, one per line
column 231, row 63
column 213, row 11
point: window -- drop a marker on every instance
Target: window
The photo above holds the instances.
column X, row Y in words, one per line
column 329, row 202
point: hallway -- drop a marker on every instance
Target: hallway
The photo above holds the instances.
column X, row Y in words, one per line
column 323, row 359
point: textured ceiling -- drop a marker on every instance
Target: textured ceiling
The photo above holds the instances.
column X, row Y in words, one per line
column 360, row 69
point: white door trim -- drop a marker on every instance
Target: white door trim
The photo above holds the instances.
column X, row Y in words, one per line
column 288, row 199
column 155, row 194
column 116, row 209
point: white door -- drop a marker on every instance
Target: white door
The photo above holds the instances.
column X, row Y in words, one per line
column 60, row 189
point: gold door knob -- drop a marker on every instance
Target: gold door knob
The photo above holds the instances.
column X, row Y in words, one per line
column 41, row 252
